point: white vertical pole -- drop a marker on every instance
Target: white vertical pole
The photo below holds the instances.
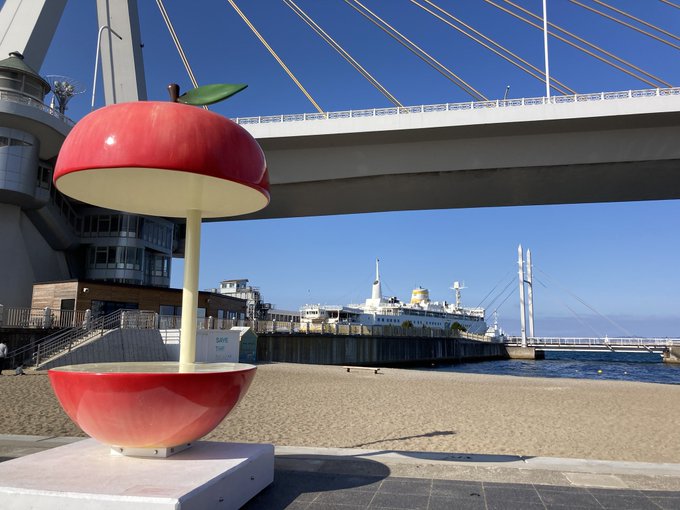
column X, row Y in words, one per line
column 545, row 49
column 530, row 294
column 192, row 252
column 522, row 313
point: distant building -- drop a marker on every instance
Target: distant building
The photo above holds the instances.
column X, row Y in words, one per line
column 103, row 298
column 257, row 309
column 283, row 315
column 239, row 288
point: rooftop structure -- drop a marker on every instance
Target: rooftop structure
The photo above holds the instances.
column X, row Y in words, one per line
column 239, row 288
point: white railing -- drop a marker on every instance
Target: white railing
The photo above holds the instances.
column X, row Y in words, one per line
column 15, row 97
column 470, row 105
column 642, row 343
column 284, row 327
column 40, row 318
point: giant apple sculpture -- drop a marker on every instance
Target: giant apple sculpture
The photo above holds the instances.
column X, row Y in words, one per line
column 175, row 160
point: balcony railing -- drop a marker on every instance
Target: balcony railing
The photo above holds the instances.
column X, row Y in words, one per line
column 15, row 97
column 40, row 318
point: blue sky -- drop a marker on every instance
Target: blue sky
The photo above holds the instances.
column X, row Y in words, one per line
column 621, row 258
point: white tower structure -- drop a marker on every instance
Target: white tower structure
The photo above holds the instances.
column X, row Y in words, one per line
column 530, row 294
column 522, row 312
column 46, row 236
column 122, row 62
column 28, row 28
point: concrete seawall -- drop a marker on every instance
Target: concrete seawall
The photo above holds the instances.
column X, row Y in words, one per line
column 368, row 350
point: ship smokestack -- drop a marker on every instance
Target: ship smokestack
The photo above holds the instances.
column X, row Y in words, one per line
column 377, row 289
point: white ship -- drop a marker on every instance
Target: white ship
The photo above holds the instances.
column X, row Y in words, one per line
column 419, row 312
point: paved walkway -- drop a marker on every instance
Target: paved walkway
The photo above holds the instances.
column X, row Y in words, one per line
column 326, row 478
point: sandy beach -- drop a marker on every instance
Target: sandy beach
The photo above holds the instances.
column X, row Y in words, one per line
column 303, row 405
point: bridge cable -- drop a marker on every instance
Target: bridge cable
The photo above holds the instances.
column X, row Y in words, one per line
column 629, row 25
column 573, row 312
column 511, row 282
column 671, row 4
column 178, row 45
column 481, row 303
column 586, row 304
column 324, row 35
column 416, row 50
column 634, row 18
column 538, row 74
column 509, row 293
column 273, row 54
column 593, row 46
column 585, row 50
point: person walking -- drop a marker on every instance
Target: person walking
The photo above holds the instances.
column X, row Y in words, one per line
column 3, row 356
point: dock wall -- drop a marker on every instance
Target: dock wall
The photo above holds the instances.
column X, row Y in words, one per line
column 372, row 350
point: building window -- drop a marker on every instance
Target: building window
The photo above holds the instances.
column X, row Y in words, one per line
column 115, row 257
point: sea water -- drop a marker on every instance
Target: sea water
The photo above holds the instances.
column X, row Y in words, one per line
column 640, row 367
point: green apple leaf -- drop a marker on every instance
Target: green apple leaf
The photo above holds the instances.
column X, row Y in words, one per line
column 209, row 94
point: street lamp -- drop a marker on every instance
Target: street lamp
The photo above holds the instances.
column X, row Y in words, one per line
column 505, row 95
column 96, row 60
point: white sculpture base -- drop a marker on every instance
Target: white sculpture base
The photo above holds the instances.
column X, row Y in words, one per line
column 84, row 475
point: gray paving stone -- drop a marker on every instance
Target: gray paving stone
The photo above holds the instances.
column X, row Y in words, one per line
column 345, row 497
column 527, row 495
column 672, row 503
column 625, row 502
column 406, row 486
column 446, row 503
column 400, row 501
column 456, row 489
column 573, row 498
column 514, row 505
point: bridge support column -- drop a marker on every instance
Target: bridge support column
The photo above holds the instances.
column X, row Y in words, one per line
column 516, row 352
column 672, row 355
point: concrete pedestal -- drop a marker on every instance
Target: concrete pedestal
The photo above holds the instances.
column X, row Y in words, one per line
column 523, row 353
column 84, row 475
column 672, row 355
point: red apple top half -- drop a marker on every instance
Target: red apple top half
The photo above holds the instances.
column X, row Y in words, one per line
column 163, row 159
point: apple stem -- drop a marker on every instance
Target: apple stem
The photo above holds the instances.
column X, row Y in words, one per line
column 173, row 90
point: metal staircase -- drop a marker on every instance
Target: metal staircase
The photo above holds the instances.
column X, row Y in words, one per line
column 65, row 341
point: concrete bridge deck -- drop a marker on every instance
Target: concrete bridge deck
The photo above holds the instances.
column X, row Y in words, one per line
column 613, row 146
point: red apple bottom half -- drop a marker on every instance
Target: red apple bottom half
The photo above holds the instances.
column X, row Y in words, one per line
column 149, row 405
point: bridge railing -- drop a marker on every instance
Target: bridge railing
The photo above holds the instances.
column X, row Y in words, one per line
column 469, row 105
column 604, row 342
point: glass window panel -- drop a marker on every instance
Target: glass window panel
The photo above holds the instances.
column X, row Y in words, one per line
column 104, row 224
column 100, row 255
column 111, row 256
column 19, row 143
column 167, row 310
